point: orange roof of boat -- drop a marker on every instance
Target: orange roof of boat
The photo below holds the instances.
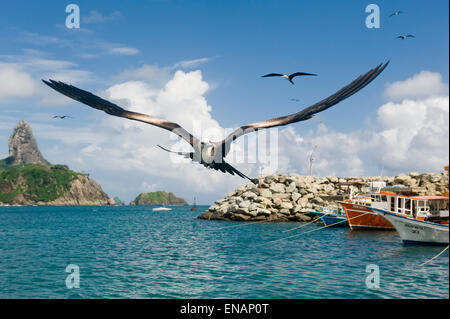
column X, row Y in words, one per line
column 429, row 197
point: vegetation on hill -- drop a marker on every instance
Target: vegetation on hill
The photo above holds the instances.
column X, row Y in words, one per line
column 35, row 182
column 159, row 197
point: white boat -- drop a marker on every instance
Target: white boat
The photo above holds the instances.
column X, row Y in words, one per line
column 416, row 231
column 159, row 209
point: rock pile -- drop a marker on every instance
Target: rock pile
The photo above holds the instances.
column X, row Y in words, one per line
column 292, row 197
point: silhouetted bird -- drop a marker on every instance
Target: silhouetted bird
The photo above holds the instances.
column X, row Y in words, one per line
column 61, row 116
column 403, row 37
column 288, row 77
column 396, row 13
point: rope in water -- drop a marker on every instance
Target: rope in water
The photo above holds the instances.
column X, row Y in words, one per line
column 313, row 230
column 434, row 257
column 308, row 223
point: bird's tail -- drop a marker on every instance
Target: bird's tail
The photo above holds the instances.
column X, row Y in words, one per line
column 234, row 170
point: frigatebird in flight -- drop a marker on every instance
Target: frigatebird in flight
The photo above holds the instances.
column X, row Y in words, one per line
column 396, row 13
column 212, row 154
column 288, row 77
column 403, row 37
column 61, row 116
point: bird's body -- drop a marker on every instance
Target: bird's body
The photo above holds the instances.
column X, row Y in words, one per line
column 396, row 13
column 286, row 76
column 212, row 154
column 403, row 37
column 61, row 116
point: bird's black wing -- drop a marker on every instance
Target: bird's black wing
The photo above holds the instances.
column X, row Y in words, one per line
column 271, row 74
column 410, row 36
column 293, row 75
column 308, row 112
column 113, row 109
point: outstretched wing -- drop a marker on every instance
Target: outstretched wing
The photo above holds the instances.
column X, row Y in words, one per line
column 308, row 112
column 293, row 75
column 113, row 109
column 271, row 74
column 410, row 36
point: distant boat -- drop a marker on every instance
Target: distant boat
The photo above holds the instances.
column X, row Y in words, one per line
column 416, row 231
column 159, row 209
column 194, row 207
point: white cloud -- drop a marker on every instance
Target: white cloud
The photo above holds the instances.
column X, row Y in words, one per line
column 15, row 83
column 191, row 63
column 97, row 17
column 123, row 51
column 421, row 85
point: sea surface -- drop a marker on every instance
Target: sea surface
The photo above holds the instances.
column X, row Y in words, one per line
column 132, row 252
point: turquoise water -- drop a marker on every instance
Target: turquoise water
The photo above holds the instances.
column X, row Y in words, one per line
column 132, row 252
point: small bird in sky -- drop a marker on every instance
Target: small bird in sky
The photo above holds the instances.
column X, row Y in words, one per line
column 403, row 37
column 295, row 100
column 396, row 13
column 61, row 116
column 212, row 155
column 287, row 77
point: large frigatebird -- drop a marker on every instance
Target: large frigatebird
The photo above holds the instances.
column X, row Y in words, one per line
column 212, row 154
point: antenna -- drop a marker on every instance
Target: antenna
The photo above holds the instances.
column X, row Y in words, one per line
column 311, row 159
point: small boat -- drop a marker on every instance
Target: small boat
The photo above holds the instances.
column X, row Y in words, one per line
column 416, row 231
column 194, row 207
column 160, row 209
column 335, row 220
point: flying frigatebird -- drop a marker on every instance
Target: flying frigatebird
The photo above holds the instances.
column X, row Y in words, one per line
column 61, row 116
column 396, row 13
column 403, row 37
column 212, row 154
column 288, row 77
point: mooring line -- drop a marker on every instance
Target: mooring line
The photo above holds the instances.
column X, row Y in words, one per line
column 435, row 256
column 311, row 231
column 243, row 224
column 301, row 226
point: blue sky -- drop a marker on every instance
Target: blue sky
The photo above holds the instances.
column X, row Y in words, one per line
column 238, row 41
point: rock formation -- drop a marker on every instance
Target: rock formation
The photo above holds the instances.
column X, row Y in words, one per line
column 159, row 197
column 23, row 147
column 291, row 197
column 26, row 178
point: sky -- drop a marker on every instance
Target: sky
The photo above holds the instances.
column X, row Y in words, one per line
column 199, row 63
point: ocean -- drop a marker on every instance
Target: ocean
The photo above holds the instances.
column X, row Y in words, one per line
column 132, row 252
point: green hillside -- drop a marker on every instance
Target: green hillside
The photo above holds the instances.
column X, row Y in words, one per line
column 35, row 182
column 159, row 197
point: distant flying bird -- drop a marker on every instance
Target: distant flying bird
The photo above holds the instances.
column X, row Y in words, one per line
column 396, row 13
column 403, row 37
column 295, row 100
column 61, row 116
column 288, row 77
column 211, row 154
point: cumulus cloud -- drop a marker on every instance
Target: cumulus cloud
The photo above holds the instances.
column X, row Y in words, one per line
column 410, row 135
column 421, row 85
column 15, row 83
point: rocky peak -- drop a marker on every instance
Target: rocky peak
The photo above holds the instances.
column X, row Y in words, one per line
column 23, row 148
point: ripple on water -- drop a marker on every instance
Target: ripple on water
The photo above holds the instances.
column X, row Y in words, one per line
column 132, row 252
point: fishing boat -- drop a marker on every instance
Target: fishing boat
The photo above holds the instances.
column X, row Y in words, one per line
column 360, row 214
column 194, row 206
column 161, row 208
column 416, row 231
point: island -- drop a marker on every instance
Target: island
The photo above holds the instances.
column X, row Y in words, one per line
column 158, row 198
column 27, row 178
